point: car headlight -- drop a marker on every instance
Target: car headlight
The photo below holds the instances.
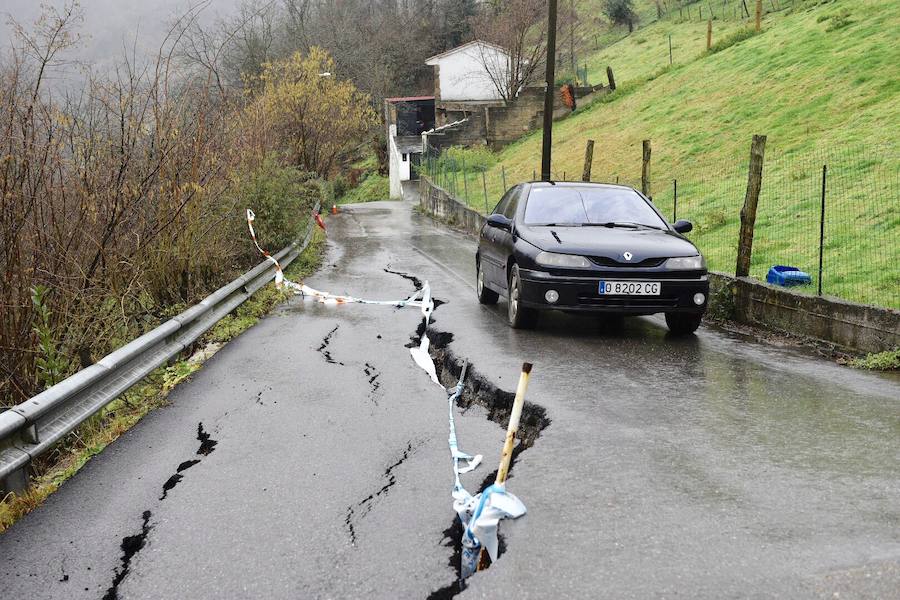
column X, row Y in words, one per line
column 686, row 263
column 562, row 261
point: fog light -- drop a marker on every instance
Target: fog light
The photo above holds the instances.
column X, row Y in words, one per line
column 699, row 299
column 552, row 296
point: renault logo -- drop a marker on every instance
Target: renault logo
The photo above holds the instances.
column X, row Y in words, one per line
column 627, row 256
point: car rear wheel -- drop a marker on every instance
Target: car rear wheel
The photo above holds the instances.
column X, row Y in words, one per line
column 520, row 317
column 683, row 324
column 485, row 294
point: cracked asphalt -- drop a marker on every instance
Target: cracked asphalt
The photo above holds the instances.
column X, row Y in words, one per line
column 308, row 458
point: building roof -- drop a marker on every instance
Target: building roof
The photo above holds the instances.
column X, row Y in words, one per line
column 409, row 144
column 409, row 99
column 437, row 57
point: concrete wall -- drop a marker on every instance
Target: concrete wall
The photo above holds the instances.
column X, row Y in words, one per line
column 851, row 327
column 438, row 203
column 464, row 74
column 854, row 327
column 394, row 165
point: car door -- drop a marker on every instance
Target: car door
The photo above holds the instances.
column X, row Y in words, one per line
column 488, row 249
column 505, row 240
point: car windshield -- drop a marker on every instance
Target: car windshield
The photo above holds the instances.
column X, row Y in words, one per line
column 589, row 205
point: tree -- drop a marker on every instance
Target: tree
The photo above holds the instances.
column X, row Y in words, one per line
column 519, row 27
column 313, row 115
column 621, row 12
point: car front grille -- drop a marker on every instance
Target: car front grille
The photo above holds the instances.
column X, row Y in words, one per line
column 609, row 262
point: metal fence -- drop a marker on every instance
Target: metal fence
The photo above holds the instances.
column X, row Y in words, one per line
column 833, row 213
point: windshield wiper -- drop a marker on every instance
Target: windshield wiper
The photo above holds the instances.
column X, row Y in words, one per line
column 554, row 224
column 626, row 224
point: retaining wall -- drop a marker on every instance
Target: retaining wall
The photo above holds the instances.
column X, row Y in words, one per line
column 437, row 202
column 850, row 326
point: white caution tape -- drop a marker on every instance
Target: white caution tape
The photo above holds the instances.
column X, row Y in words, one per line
column 479, row 514
column 328, row 298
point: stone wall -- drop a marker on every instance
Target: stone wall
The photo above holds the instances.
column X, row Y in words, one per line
column 499, row 124
column 438, row 203
column 854, row 327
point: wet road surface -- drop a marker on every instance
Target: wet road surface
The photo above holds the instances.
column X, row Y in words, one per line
column 308, row 458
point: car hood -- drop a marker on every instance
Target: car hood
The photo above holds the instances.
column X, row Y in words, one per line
column 609, row 242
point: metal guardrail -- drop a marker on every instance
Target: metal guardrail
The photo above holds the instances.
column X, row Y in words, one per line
column 34, row 426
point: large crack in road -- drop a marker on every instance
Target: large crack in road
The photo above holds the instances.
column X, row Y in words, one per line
column 477, row 390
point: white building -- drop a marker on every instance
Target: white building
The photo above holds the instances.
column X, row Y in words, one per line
column 406, row 118
column 470, row 73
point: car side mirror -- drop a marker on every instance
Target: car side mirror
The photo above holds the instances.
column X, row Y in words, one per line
column 683, row 226
column 500, row 222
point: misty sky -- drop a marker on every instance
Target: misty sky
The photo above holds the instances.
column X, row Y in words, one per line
column 111, row 25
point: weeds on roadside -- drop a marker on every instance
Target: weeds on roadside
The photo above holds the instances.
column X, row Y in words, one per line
column 123, row 413
column 881, row 361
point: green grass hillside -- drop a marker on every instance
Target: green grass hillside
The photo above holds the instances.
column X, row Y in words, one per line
column 822, row 81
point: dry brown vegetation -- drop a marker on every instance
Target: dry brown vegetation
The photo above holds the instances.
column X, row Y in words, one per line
column 122, row 199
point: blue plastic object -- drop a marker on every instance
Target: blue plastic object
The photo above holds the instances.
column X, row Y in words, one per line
column 788, row 276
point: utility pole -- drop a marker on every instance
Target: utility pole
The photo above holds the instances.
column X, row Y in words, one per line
column 572, row 40
column 549, row 95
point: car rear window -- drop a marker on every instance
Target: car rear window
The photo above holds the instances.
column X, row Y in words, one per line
column 578, row 205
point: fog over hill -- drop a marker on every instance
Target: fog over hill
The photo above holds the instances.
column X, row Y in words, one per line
column 112, row 27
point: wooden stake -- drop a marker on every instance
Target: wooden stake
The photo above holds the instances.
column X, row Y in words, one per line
column 506, row 456
column 708, row 35
column 513, row 427
column 588, row 160
column 751, row 200
column 758, row 14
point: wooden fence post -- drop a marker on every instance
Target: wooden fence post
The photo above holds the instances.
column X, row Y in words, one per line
column 645, row 169
column 751, row 200
column 588, row 160
column 612, row 80
column 709, row 35
column 758, row 14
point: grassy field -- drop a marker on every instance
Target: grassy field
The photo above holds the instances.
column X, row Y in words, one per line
column 822, row 81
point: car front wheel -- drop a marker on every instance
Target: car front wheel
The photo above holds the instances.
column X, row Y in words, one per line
column 485, row 294
column 683, row 324
column 520, row 317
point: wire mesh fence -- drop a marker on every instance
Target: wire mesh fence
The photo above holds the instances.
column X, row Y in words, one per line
column 847, row 240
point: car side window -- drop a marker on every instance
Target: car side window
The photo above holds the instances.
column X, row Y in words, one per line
column 509, row 211
column 501, row 207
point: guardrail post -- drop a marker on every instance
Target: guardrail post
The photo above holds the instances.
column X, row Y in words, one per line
column 751, row 200
column 30, row 434
column 17, row 481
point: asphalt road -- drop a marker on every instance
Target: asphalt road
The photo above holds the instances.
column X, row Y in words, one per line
column 713, row 467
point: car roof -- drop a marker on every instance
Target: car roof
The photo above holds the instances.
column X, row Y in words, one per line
column 572, row 184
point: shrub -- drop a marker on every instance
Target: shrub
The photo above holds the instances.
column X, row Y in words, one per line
column 621, row 12
column 734, row 38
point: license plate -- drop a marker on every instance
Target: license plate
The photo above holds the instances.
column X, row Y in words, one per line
column 630, row 288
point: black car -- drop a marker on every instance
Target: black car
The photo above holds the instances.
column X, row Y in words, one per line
column 589, row 247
